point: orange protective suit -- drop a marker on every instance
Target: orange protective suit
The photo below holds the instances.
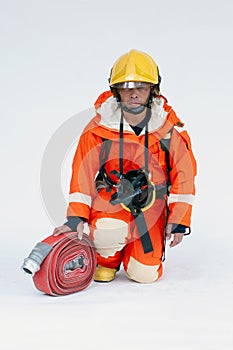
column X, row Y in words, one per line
column 112, row 227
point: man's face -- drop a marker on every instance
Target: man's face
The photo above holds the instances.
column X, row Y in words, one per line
column 134, row 97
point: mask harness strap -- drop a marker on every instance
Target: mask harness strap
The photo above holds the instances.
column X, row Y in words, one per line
column 137, row 211
column 121, row 146
column 146, row 145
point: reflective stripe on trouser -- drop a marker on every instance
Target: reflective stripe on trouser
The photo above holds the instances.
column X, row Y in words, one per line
column 116, row 240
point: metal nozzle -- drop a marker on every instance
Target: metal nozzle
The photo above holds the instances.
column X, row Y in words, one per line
column 32, row 263
column 78, row 262
column 30, row 266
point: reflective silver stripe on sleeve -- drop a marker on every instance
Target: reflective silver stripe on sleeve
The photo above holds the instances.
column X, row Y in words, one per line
column 78, row 197
column 184, row 198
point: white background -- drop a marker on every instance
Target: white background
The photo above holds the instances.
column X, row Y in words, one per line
column 55, row 61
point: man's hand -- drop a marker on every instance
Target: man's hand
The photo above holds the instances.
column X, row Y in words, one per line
column 80, row 229
column 61, row 229
column 177, row 237
column 64, row 228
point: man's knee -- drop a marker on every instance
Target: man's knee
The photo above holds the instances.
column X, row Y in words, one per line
column 143, row 273
column 110, row 236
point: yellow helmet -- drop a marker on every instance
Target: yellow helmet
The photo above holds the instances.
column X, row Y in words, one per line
column 134, row 66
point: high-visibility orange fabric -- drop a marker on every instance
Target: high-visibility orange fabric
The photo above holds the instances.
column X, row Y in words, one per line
column 155, row 218
column 87, row 203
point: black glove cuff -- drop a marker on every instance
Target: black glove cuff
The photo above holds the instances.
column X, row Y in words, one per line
column 177, row 228
column 73, row 222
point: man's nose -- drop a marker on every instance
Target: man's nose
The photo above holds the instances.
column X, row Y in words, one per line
column 133, row 93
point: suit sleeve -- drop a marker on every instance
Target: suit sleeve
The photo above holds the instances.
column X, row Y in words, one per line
column 84, row 169
column 182, row 177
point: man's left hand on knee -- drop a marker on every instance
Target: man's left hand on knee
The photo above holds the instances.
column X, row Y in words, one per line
column 177, row 237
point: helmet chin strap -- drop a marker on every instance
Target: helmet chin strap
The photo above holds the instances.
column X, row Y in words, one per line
column 136, row 110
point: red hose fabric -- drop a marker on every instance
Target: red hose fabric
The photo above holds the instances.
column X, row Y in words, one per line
column 52, row 278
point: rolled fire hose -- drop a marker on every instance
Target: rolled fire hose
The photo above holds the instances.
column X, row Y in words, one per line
column 62, row 264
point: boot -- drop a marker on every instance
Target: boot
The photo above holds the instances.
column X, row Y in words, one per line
column 104, row 274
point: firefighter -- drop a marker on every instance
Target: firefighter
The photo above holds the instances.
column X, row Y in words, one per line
column 132, row 175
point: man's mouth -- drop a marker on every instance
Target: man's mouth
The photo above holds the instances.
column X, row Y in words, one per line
column 133, row 103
